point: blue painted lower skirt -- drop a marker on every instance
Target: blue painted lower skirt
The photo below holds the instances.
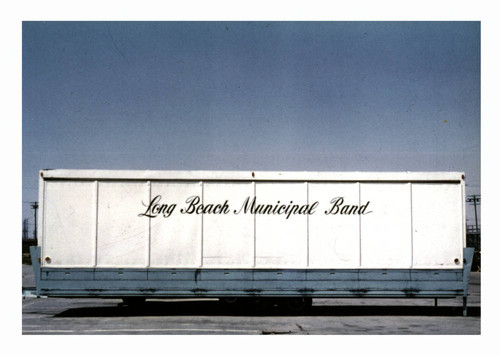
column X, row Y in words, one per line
column 239, row 283
column 98, row 282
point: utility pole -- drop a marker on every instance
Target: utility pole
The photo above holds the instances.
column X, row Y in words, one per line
column 476, row 200
column 34, row 206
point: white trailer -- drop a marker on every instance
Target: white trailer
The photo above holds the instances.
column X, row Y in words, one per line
column 227, row 234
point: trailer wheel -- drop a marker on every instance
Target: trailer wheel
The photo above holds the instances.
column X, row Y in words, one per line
column 134, row 301
column 229, row 300
column 261, row 304
column 299, row 304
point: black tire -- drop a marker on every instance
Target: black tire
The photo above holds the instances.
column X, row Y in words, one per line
column 261, row 304
column 299, row 304
column 231, row 303
column 230, row 300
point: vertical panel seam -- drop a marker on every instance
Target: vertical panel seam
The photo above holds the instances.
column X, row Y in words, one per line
column 464, row 223
column 359, row 219
column 96, row 219
column 307, row 225
column 254, row 228
column 42, row 218
column 148, row 261
column 411, row 225
column 202, row 202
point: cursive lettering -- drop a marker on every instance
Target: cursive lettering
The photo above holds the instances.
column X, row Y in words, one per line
column 154, row 208
column 194, row 206
column 338, row 207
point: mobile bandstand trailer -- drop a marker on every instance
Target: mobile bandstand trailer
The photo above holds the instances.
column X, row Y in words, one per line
column 242, row 234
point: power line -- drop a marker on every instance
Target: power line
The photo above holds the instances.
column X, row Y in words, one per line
column 475, row 200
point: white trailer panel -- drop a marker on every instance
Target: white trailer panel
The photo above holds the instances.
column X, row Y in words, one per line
column 70, row 221
column 175, row 240
column 280, row 241
column 437, row 210
column 386, row 230
column 334, row 240
column 122, row 238
column 228, row 238
column 260, row 220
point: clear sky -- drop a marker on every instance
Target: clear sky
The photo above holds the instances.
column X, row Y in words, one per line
column 316, row 96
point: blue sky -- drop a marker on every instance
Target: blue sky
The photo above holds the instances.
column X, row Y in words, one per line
column 317, row 96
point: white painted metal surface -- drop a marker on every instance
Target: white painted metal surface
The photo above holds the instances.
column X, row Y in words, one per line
column 122, row 238
column 196, row 219
column 176, row 241
column 281, row 241
column 435, row 207
column 69, row 223
column 334, row 241
column 228, row 239
column 386, row 231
